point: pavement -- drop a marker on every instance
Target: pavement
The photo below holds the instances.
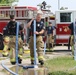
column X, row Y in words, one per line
column 27, row 61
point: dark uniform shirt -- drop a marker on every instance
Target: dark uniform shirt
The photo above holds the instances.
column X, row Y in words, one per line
column 50, row 29
column 71, row 28
column 12, row 26
column 39, row 27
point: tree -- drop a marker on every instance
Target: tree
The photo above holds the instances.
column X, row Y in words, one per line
column 7, row 2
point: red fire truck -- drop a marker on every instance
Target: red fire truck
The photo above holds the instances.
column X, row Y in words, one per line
column 63, row 18
column 22, row 14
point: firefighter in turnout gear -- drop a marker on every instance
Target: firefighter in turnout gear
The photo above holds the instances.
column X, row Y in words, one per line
column 11, row 26
column 50, row 33
column 39, row 40
column 71, row 37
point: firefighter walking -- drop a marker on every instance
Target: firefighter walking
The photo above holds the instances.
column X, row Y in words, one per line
column 11, row 26
column 39, row 40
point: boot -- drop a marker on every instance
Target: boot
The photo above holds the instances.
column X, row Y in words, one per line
column 13, row 63
column 41, row 62
column 5, row 55
column 32, row 62
column 19, row 60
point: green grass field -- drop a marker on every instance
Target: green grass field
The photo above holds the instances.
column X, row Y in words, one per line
column 65, row 65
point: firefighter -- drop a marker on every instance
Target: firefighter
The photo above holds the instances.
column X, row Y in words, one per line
column 50, row 33
column 12, row 26
column 66, row 28
column 46, row 22
column 39, row 40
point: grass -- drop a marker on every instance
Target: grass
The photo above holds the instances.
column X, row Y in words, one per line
column 61, row 66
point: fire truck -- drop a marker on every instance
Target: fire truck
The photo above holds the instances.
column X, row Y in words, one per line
column 63, row 18
column 60, row 20
column 22, row 15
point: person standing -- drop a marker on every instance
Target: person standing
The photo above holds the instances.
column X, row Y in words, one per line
column 12, row 26
column 40, row 28
column 46, row 22
column 50, row 33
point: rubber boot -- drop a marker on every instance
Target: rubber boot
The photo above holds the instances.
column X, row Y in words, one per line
column 13, row 61
column 19, row 60
column 41, row 62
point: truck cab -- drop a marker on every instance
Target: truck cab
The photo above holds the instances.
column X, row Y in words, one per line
column 63, row 18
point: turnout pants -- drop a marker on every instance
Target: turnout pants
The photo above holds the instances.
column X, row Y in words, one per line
column 50, row 40
column 10, row 42
column 72, row 44
column 39, row 46
column 12, row 45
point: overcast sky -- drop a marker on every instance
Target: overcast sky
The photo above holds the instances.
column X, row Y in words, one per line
column 71, row 4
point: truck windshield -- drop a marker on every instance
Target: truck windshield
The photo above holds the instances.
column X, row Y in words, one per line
column 65, row 17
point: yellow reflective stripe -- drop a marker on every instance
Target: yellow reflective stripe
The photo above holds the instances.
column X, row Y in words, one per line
column 13, row 60
column 21, row 50
column 5, row 53
column 5, row 47
column 40, row 57
column 20, row 56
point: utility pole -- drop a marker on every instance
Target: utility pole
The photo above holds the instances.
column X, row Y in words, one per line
column 58, row 4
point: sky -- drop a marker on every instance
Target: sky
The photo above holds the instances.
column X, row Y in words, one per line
column 71, row 4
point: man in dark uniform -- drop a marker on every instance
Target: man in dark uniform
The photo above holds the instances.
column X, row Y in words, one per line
column 12, row 26
column 39, row 40
column 72, row 36
column 50, row 33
